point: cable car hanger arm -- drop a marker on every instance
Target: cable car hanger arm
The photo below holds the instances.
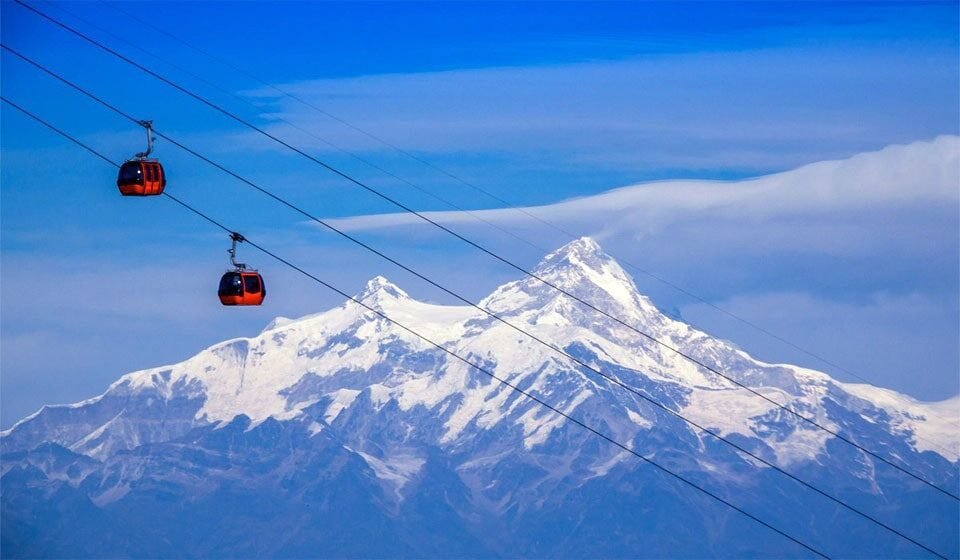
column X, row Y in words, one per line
column 235, row 238
column 149, row 126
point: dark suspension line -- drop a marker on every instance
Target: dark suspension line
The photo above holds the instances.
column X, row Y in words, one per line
column 612, row 379
column 455, row 177
column 476, row 245
column 440, row 347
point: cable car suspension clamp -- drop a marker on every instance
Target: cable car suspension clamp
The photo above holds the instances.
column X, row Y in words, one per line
column 234, row 238
column 149, row 126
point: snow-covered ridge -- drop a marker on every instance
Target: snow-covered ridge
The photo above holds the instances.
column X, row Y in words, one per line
column 327, row 365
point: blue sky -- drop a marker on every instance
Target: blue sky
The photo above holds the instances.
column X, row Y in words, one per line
column 535, row 102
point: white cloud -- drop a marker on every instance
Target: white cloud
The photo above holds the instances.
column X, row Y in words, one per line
column 826, row 206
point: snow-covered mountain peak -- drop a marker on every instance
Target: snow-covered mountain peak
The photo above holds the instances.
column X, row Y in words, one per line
column 378, row 290
column 582, row 269
column 582, row 250
column 582, row 264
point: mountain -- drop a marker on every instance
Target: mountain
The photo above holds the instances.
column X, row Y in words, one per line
column 341, row 434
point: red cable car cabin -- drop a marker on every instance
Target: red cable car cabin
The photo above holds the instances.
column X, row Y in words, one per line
column 141, row 178
column 242, row 287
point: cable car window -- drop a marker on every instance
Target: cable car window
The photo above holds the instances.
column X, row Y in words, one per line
column 251, row 284
column 231, row 285
column 130, row 173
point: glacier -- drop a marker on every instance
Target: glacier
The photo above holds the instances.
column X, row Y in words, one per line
column 319, row 432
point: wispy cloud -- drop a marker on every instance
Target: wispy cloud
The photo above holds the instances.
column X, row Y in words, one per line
column 901, row 178
column 758, row 110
